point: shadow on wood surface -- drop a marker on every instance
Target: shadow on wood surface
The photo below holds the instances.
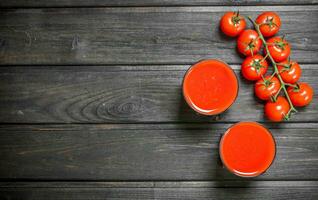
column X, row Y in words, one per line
column 217, row 171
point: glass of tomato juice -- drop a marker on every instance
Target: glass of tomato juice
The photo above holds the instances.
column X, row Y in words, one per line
column 247, row 149
column 210, row 87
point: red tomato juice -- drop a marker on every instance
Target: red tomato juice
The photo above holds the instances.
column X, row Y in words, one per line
column 210, row 87
column 247, row 149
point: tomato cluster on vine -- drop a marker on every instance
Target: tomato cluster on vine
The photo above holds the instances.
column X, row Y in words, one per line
column 276, row 53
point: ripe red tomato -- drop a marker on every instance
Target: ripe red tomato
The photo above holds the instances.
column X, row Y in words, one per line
column 266, row 88
column 290, row 71
column 232, row 24
column 278, row 48
column 276, row 111
column 269, row 23
column 248, row 43
column 253, row 67
column 301, row 95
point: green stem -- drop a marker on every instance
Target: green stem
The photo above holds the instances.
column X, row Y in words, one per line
column 276, row 95
column 283, row 84
column 265, row 57
column 263, row 78
column 291, row 85
column 272, row 75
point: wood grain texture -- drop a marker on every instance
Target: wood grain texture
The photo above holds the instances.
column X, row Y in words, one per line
column 84, row 3
column 144, row 152
column 156, row 154
column 141, row 35
column 120, row 94
column 161, row 190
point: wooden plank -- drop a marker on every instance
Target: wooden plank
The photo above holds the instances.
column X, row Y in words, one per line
column 243, row 183
column 152, row 190
column 139, row 35
column 83, row 3
column 144, row 152
column 120, row 94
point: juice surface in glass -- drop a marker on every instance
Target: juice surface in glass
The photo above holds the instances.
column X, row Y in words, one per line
column 247, row 149
column 210, row 87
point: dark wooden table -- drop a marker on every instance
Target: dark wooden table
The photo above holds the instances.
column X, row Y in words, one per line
column 91, row 104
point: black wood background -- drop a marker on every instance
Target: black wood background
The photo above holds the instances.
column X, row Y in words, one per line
column 91, row 104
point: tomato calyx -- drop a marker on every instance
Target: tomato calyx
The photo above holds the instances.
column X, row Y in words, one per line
column 280, row 44
column 287, row 67
column 250, row 46
column 296, row 87
column 257, row 65
column 267, row 82
column 236, row 18
column 270, row 22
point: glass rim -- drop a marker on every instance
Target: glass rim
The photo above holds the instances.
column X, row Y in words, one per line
column 238, row 174
column 187, row 98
